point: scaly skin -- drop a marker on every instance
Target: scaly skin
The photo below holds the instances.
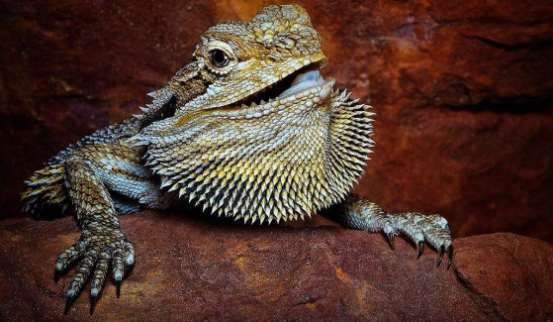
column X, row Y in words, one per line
column 248, row 130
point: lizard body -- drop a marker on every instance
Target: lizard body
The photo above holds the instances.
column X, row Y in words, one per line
column 248, row 130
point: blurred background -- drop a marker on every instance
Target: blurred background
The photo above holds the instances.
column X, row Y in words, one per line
column 463, row 92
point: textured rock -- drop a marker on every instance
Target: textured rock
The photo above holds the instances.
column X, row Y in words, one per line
column 191, row 268
column 462, row 90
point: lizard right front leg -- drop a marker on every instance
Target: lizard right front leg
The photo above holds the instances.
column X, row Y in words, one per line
column 362, row 214
column 102, row 243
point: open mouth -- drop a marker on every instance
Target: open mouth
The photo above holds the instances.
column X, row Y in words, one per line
column 299, row 81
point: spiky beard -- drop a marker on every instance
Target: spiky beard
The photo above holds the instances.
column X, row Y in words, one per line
column 277, row 161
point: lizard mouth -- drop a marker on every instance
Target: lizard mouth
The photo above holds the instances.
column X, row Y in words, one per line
column 301, row 80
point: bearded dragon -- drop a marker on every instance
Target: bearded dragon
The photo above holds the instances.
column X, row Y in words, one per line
column 248, row 130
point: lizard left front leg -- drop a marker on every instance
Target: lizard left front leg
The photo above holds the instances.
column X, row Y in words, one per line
column 362, row 214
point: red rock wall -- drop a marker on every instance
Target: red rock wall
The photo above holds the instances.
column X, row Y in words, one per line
column 463, row 92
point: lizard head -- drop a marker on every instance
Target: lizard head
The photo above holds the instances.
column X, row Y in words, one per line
column 264, row 137
column 245, row 62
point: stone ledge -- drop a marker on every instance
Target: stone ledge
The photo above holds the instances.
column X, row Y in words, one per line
column 189, row 268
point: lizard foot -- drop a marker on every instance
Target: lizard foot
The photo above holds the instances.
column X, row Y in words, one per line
column 421, row 228
column 95, row 254
column 417, row 227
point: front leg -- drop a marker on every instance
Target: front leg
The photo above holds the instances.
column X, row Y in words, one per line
column 362, row 214
column 102, row 244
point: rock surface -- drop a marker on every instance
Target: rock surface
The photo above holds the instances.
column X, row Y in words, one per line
column 194, row 269
column 462, row 90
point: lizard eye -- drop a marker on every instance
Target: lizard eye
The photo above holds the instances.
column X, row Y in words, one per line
column 218, row 55
column 218, row 58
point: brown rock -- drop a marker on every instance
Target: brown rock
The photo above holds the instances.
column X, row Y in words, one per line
column 195, row 269
column 462, row 90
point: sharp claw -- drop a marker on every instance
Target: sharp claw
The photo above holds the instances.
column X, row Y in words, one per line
column 92, row 304
column 68, row 302
column 67, row 307
column 390, row 238
column 118, row 289
column 440, row 256
column 420, row 248
column 450, row 256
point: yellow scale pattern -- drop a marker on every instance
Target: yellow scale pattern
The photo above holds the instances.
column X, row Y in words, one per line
column 278, row 161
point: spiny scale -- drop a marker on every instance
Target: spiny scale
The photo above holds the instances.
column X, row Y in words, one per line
column 266, row 162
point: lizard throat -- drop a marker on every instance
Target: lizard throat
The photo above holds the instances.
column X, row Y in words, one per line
column 280, row 166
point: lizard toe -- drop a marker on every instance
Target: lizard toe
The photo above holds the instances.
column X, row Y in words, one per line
column 86, row 266
column 69, row 256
